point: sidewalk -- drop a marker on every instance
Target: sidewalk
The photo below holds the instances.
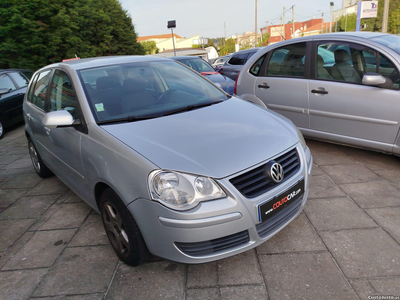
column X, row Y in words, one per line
column 345, row 245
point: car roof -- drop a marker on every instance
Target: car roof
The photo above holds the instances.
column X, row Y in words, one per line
column 246, row 50
column 85, row 63
column 355, row 34
column 186, row 57
column 14, row 70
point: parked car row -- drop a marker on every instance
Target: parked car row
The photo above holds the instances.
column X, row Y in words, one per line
column 204, row 68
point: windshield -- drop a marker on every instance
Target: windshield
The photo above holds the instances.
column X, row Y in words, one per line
column 391, row 41
column 139, row 90
column 197, row 64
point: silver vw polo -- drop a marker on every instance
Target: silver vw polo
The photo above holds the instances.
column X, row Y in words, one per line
column 175, row 166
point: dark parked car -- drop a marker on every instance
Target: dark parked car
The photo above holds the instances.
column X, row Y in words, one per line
column 13, row 84
column 232, row 67
column 201, row 66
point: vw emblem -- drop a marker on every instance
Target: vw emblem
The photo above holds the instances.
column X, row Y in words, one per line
column 275, row 172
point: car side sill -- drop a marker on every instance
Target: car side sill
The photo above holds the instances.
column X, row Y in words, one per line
column 346, row 140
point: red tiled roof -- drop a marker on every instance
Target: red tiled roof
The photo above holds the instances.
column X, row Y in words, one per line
column 160, row 36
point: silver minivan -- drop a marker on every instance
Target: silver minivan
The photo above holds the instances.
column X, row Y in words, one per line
column 342, row 87
column 175, row 166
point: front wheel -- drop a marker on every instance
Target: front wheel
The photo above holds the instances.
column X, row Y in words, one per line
column 1, row 128
column 122, row 230
column 41, row 169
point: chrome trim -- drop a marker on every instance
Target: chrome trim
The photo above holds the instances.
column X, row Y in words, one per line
column 200, row 223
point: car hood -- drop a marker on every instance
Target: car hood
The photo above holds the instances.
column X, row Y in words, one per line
column 215, row 141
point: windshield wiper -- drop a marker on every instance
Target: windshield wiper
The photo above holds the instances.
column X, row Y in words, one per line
column 190, row 107
column 128, row 119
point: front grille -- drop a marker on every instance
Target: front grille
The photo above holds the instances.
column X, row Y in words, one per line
column 256, row 182
column 270, row 225
column 214, row 246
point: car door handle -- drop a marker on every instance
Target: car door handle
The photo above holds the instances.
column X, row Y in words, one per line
column 28, row 115
column 263, row 86
column 47, row 130
column 319, row 91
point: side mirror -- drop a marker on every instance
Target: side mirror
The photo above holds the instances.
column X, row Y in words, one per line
column 374, row 79
column 61, row 118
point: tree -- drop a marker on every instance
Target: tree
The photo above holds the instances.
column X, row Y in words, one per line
column 373, row 24
column 150, row 47
column 264, row 40
column 35, row 33
column 229, row 47
column 349, row 25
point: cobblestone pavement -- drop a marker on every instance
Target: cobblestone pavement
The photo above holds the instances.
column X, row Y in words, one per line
column 345, row 245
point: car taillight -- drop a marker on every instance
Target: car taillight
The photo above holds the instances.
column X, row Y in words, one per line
column 234, row 91
column 221, row 71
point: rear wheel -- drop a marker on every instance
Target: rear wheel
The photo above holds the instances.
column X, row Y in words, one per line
column 41, row 169
column 122, row 230
column 1, row 128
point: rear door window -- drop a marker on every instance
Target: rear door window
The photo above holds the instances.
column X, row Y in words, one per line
column 20, row 79
column 288, row 61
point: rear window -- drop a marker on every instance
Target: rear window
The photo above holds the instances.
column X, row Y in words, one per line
column 238, row 59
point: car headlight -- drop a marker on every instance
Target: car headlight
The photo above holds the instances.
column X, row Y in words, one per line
column 301, row 139
column 182, row 191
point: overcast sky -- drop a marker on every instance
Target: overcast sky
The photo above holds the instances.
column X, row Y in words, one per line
column 207, row 17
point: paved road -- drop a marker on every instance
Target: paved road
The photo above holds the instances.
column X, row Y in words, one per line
column 345, row 245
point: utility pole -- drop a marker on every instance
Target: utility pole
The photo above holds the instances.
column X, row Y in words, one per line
column 293, row 21
column 385, row 16
column 281, row 31
column 225, row 31
column 331, row 17
column 322, row 25
column 283, row 22
column 255, row 34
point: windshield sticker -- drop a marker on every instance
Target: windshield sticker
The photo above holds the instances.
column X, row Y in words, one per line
column 99, row 106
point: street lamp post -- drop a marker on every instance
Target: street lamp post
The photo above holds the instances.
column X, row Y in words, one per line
column 171, row 25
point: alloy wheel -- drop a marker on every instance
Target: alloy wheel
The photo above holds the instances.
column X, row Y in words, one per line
column 115, row 229
column 34, row 157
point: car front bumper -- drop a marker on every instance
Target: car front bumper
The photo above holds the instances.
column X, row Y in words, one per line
column 220, row 228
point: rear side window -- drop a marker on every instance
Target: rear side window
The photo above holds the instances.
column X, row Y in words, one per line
column 255, row 69
column 38, row 95
column 20, row 79
column 28, row 74
column 6, row 83
column 287, row 61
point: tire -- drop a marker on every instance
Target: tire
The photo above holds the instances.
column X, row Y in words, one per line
column 41, row 169
column 122, row 230
column 1, row 129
